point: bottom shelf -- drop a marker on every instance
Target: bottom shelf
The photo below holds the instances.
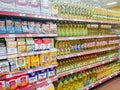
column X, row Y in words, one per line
column 101, row 81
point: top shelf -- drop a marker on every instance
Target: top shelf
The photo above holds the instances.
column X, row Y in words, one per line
column 35, row 16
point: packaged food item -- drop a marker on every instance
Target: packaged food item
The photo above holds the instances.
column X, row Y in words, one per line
column 25, row 27
column 7, row 5
column 28, row 60
column 13, row 64
column 11, row 46
column 11, row 83
column 38, row 44
column 3, row 47
column 46, row 44
column 10, row 26
column 50, row 87
column 45, row 7
column 34, row 61
column 21, row 45
column 2, row 26
column 30, row 44
column 31, row 27
column 54, row 10
column 53, row 58
column 21, row 6
column 51, row 43
column 22, row 81
column 32, row 77
column 2, row 85
column 38, row 27
column 44, row 59
column 18, row 26
column 51, row 72
column 46, row 28
column 21, row 62
column 53, row 28
column 34, row 6
column 42, row 75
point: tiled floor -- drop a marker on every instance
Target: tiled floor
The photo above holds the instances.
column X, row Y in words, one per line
column 113, row 84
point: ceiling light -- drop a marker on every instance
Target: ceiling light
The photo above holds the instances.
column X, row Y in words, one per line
column 112, row 3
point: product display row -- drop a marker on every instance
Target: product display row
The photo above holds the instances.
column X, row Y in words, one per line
column 29, row 62
column 82, row 79
column 70, row 9
column 19, row 26
column 82, row 61
column 22, row 81
column 84, row 29
column 22, row 45
column 73, row 46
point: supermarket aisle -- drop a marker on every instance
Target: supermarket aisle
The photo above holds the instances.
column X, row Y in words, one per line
column 113, row 84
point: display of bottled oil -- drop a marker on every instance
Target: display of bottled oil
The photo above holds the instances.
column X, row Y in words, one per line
column 78, row 62
column 78, row 81
column 83, row 29
column 74, row 46
column 80, row 10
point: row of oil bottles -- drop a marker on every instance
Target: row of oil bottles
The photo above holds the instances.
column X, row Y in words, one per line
column 75, row 46
column 84, row 29
column 86, row 60
column 80, row 10
column 82, row 79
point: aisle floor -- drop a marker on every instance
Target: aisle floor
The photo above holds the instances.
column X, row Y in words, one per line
column 113, row 84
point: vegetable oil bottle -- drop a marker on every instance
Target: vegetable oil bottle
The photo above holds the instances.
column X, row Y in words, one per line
column 60, row 85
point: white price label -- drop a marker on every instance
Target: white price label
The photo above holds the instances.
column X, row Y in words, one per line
column 71, row 71
column 110, row 76
column 49, row 81
column 100, row 82
column 21, row 14
column 8, row 76
column 30, row 71
column 11, row 35
column 31, row 53
column 3, row 57
column 66, row 56
column 92, row 85
column 78, row 54
column 103, row 62
column 89, row 66
column 110, row 60
column 29, row 35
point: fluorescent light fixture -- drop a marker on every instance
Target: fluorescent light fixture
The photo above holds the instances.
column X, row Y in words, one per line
column 112, row 3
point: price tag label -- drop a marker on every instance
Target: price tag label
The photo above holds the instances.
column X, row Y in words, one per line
column 110, row 60
column 100, row 82
column 30, row 71
column 21, row 14
column 11, row 35
column 89, row 66
column 103, row 62
column 92, row 85
column 9, row 76
column 110, row 76
column 31, row 53
column 3, row 57
column 29, row 35
column 23, row 54
column 78, row 54
column 71, row 72
column 67, row 56
column 12, row 56
column 49, row 81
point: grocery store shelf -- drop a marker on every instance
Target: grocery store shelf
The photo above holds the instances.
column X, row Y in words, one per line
column 35, row 16
column 26, row 72
column 86, row 52
column 27, row 35
column 86, row 67
column 102, row 81
column 83, row 37
column 39, row 84
column 26, row 54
